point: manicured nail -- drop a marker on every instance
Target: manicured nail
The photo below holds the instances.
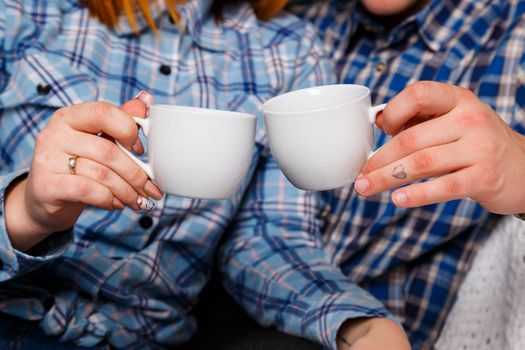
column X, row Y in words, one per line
column 145, row 97
column 145, row 203
column 137, row 146
column 152, row 190
column 399, row 198
column 117, row 204
column 361, row 184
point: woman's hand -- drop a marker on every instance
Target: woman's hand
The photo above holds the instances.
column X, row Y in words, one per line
column 51, row 198
column 372, row 334
column 446, row 134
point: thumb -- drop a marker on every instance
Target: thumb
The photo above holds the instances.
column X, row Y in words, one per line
column 138, row 107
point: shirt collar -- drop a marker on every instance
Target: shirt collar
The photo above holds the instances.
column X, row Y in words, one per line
column 436, row 23
column 196, row 20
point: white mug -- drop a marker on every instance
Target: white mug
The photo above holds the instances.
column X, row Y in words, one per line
column 196, row 152
column 321, row 136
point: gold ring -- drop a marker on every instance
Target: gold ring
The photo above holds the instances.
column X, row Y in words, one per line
column 71, row 164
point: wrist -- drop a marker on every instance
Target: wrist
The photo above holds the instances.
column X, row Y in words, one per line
column 354, row 329
column 375, row 332
column 23, row 231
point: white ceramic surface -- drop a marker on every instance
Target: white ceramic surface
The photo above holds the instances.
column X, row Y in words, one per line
column 321, row 136
column 197, row 152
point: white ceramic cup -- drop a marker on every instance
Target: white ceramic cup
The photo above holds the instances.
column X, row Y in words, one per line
column 321, row 136
column 196, row 152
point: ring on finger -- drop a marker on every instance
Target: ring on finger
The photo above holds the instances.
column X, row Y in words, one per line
column 72, row 164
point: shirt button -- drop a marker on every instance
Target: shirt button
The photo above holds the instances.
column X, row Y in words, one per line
column 164, row 69
column 146, row 222
column 43, row 89
column 325, row 213
column 380, row 66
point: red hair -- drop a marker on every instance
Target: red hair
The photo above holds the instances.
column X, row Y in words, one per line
column 108, row 11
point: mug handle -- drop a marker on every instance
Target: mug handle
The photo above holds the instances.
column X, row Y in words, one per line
column 374, row 110
column 145, row 125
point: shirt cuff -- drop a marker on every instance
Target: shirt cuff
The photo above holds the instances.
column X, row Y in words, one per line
column 14, row 262
column 325, row 315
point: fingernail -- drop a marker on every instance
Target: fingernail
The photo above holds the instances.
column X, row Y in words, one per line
column 145, row 203
column 117, row 204
column 361, row 184
column 152, row 190
column 399, row 198
column 137, row 146
column 145, row 97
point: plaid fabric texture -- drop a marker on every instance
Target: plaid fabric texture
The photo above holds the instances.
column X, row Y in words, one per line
column 131, row 279
column 413, row 260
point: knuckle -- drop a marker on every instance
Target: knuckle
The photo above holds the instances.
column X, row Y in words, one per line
column 472, row 119
column 107, row 150
column 454, row 187
column 130, row 129
column 59, row 114
column 423, row 162
column 101, row 109
column 406, row 141
column 44, row 138
column 420, row 92
column 466, row 93
column 102, row 174
column 83, row 189
column 383, row 180
column 127, row 195
column 138, row 176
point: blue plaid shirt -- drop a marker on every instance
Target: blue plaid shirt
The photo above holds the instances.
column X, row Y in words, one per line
column 131, row 279
column 413, row 260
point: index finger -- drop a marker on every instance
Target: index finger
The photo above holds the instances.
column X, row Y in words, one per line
column 424, row 98
column 95, row 117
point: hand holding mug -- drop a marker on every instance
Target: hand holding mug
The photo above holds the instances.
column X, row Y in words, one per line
column 73, row 167
column 446, row 134
column 196, row 152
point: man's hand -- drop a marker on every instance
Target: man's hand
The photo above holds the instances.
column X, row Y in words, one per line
column 372, row 334
column 446, row 134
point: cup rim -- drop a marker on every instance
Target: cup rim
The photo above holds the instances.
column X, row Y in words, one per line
column 203, row 111
column 266, row 109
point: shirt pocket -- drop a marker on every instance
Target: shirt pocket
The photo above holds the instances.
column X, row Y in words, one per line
column 46, row 79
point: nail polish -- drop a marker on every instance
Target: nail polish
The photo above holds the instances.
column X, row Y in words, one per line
column 145, row 203
column 144, row 97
